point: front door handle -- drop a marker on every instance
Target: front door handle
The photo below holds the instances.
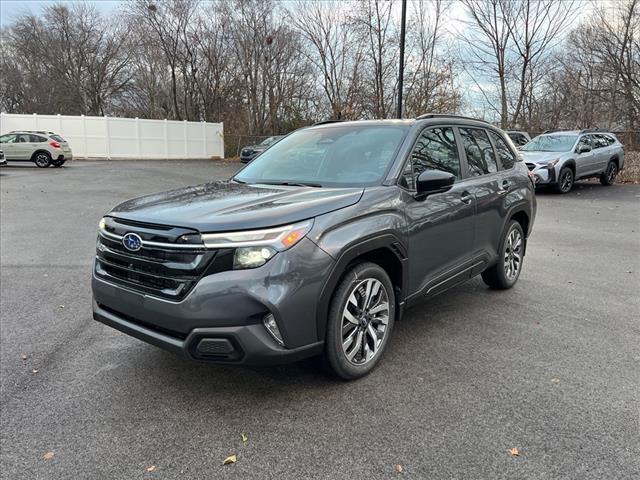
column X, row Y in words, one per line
column 466, row 197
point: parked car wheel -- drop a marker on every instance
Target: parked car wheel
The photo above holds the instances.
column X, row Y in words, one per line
column 609, row 175
column 42, row 159
column 57, row 163
column 565, row 180
column 505, row 273
column 360, row 321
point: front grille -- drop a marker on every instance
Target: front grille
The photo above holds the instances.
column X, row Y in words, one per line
column 157, row 270
column 531, row 166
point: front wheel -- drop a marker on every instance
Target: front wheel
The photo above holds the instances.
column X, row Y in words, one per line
column 609, row 175
column 361, row 318
column 505, row 273
column 42, row 159
column 565, row 180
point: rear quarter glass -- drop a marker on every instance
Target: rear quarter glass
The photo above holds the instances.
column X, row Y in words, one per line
column 57, row 138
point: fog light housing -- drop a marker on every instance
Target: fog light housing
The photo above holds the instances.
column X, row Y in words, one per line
column 272, row 327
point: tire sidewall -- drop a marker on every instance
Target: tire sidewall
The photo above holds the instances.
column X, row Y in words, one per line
column 333, row 342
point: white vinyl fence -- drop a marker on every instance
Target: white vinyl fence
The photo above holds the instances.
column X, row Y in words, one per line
column 114, row 138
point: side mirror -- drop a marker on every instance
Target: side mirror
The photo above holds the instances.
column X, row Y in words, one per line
column 584, row 149
column 433, row 181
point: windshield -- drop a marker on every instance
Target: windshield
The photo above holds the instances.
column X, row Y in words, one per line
column 340, row 155
column 550, row 143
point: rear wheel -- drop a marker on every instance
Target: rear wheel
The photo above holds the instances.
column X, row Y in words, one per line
column 42, row 159
column 565, row 180
column 505, row 273
column 609, row 175
column 360, row 321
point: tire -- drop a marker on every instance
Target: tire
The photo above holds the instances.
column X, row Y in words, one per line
column 565, row 180
column 609, row 176
column 42, row 159
column 351, row 351
column 505, row 273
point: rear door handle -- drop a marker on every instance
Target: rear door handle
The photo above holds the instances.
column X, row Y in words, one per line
column 466, row 197
column 505, row 187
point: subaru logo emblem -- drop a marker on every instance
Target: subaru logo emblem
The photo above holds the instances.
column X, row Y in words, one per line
column 132, row 242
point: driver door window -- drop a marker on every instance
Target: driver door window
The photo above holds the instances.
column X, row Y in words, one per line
column 436, row 149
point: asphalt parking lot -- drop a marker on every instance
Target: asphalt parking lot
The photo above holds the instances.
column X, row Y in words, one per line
column 551, row 367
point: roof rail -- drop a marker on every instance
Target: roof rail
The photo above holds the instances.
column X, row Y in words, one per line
column 323, row 122
column 32, row 131
column 591, row 130
column 447, row 115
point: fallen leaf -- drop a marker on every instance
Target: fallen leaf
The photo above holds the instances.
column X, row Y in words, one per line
column 35, row 370
column 49, row 456
column 244, row 438
column 230, row 459
column 24, row 356
column 514, row 452
column 555, row 380
column 399, row 468
column 151, row 468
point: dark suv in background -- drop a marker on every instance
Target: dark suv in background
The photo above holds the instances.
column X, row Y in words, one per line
column 250, row 152
column 319, row 244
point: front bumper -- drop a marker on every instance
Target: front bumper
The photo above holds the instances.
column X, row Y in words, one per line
column 220, row 320
column 544, row 175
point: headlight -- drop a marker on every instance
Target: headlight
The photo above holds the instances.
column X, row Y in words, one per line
column 550, row 163
column 251, row 257
column 253, row 248
column 278, row 238
column 102, row 224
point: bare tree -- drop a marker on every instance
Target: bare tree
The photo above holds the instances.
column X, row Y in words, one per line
column 430, row 71
column 535, row 29
column 336, row 51
column 485, row 48
column 375, row 18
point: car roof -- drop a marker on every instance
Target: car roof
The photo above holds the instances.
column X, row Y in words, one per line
column 42, row 132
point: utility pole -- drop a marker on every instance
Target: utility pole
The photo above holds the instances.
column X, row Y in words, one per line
column 403, row 23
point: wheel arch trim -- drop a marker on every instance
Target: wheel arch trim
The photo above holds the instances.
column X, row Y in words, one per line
column 352, row 252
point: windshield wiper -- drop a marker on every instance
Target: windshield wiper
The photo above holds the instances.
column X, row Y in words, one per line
column 293, row 184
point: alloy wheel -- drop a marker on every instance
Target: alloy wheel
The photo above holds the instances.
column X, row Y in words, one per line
column 513, row 254
column 566, row 182
column 42, row 160
column 364, row 321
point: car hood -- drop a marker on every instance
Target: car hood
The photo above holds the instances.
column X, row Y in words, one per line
column 540, row 157
column 227, row 206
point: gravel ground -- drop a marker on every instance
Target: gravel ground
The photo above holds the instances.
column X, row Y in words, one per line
column 549, row 367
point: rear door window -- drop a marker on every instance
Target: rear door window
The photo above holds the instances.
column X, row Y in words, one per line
column 481, row 159
column 506, row 155
column 37, row 139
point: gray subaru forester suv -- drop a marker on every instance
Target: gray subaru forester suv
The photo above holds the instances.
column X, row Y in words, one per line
column 319, row 244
